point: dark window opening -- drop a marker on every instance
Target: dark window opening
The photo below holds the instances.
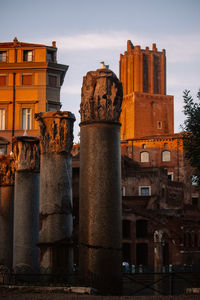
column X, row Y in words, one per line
column 165, row 254
column 195, row 201
column 141, row 228
column 142, row 254
column 126, row 252
column 156, row 74
column 126, row 227
column 145, row 73
column 28, row 55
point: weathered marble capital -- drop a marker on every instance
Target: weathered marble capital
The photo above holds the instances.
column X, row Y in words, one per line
column 7, row 170
column 26, row 153
column 56, row 131
column 101, row 97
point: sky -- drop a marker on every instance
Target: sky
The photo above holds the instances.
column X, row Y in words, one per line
column 90, row 31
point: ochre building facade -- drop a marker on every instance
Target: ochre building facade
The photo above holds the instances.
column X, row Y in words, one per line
column 30, row 82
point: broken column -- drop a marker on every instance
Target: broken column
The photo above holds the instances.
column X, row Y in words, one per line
column 158, row 261
column 100, row 181
column 26, row 204
column 55, row 233
column 6, row 210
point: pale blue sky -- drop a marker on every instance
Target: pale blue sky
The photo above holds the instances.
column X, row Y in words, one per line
column 88, row 32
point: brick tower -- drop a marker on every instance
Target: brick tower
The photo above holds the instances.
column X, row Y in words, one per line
column 146, row 109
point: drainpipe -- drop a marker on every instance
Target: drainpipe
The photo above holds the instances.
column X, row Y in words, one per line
column 14, row 98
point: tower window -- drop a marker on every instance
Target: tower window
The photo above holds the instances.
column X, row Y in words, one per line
column 166, row 156
column 28, row 55
column 26, row 118
column 159, row 125
column 144, row 146
column 2, row 119
column 2, row 56
column 144, row 156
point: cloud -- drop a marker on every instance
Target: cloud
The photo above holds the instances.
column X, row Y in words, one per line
column 180, row 48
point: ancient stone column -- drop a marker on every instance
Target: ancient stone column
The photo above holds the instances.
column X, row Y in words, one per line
column 55, row 233
column 6, row 210
column 158, row 261
column 100, row 181
column 26, row 204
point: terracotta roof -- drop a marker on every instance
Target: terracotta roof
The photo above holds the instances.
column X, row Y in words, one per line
column 19, row 44
column 16, row 43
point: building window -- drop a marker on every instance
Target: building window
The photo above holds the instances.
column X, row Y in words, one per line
column 3, row 149
column 28, row 55
column 166, row 156
column 141, row 228
column 165, row 145
column 195, row 201
column 123, row 190
column 170, row 176
column 2, row 80
column 26, row 118
column 144, row 190
column 194, row 180
column 2, row 119
column 144, row 146
column 144, row 156
column 2, row 56
column 27, row 79
column 126, row 229
column 159, row 125
column 51, row 56
column 142, row 254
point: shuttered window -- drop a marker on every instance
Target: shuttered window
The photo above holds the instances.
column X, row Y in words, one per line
column 27, row 79
column 2, row 80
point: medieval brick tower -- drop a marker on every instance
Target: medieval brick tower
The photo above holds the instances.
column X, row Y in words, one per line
column 146, row 110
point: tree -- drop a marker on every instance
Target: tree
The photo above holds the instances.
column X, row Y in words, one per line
column 191, row 136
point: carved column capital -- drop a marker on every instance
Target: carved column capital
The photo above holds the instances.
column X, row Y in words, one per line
column 56, row 131
column 26, row 153
column 7, row 170
column 101, row 96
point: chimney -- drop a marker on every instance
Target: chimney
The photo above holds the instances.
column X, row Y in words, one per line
column 54, row 44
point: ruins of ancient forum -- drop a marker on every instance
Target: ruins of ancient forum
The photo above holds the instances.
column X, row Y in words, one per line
column 124, row 194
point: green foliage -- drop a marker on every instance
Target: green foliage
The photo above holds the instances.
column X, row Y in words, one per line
column 191, row 136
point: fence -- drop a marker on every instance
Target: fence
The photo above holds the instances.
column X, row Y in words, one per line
column 140, row 283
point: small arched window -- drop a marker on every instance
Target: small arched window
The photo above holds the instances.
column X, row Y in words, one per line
column 166, row 156
column 144, row 156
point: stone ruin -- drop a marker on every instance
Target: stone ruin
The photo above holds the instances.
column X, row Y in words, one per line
column 36, row 191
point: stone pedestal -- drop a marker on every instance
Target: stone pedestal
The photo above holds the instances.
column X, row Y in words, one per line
column 100, row 182
column 55, row 233
column 26, row 204
column 6, row 210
